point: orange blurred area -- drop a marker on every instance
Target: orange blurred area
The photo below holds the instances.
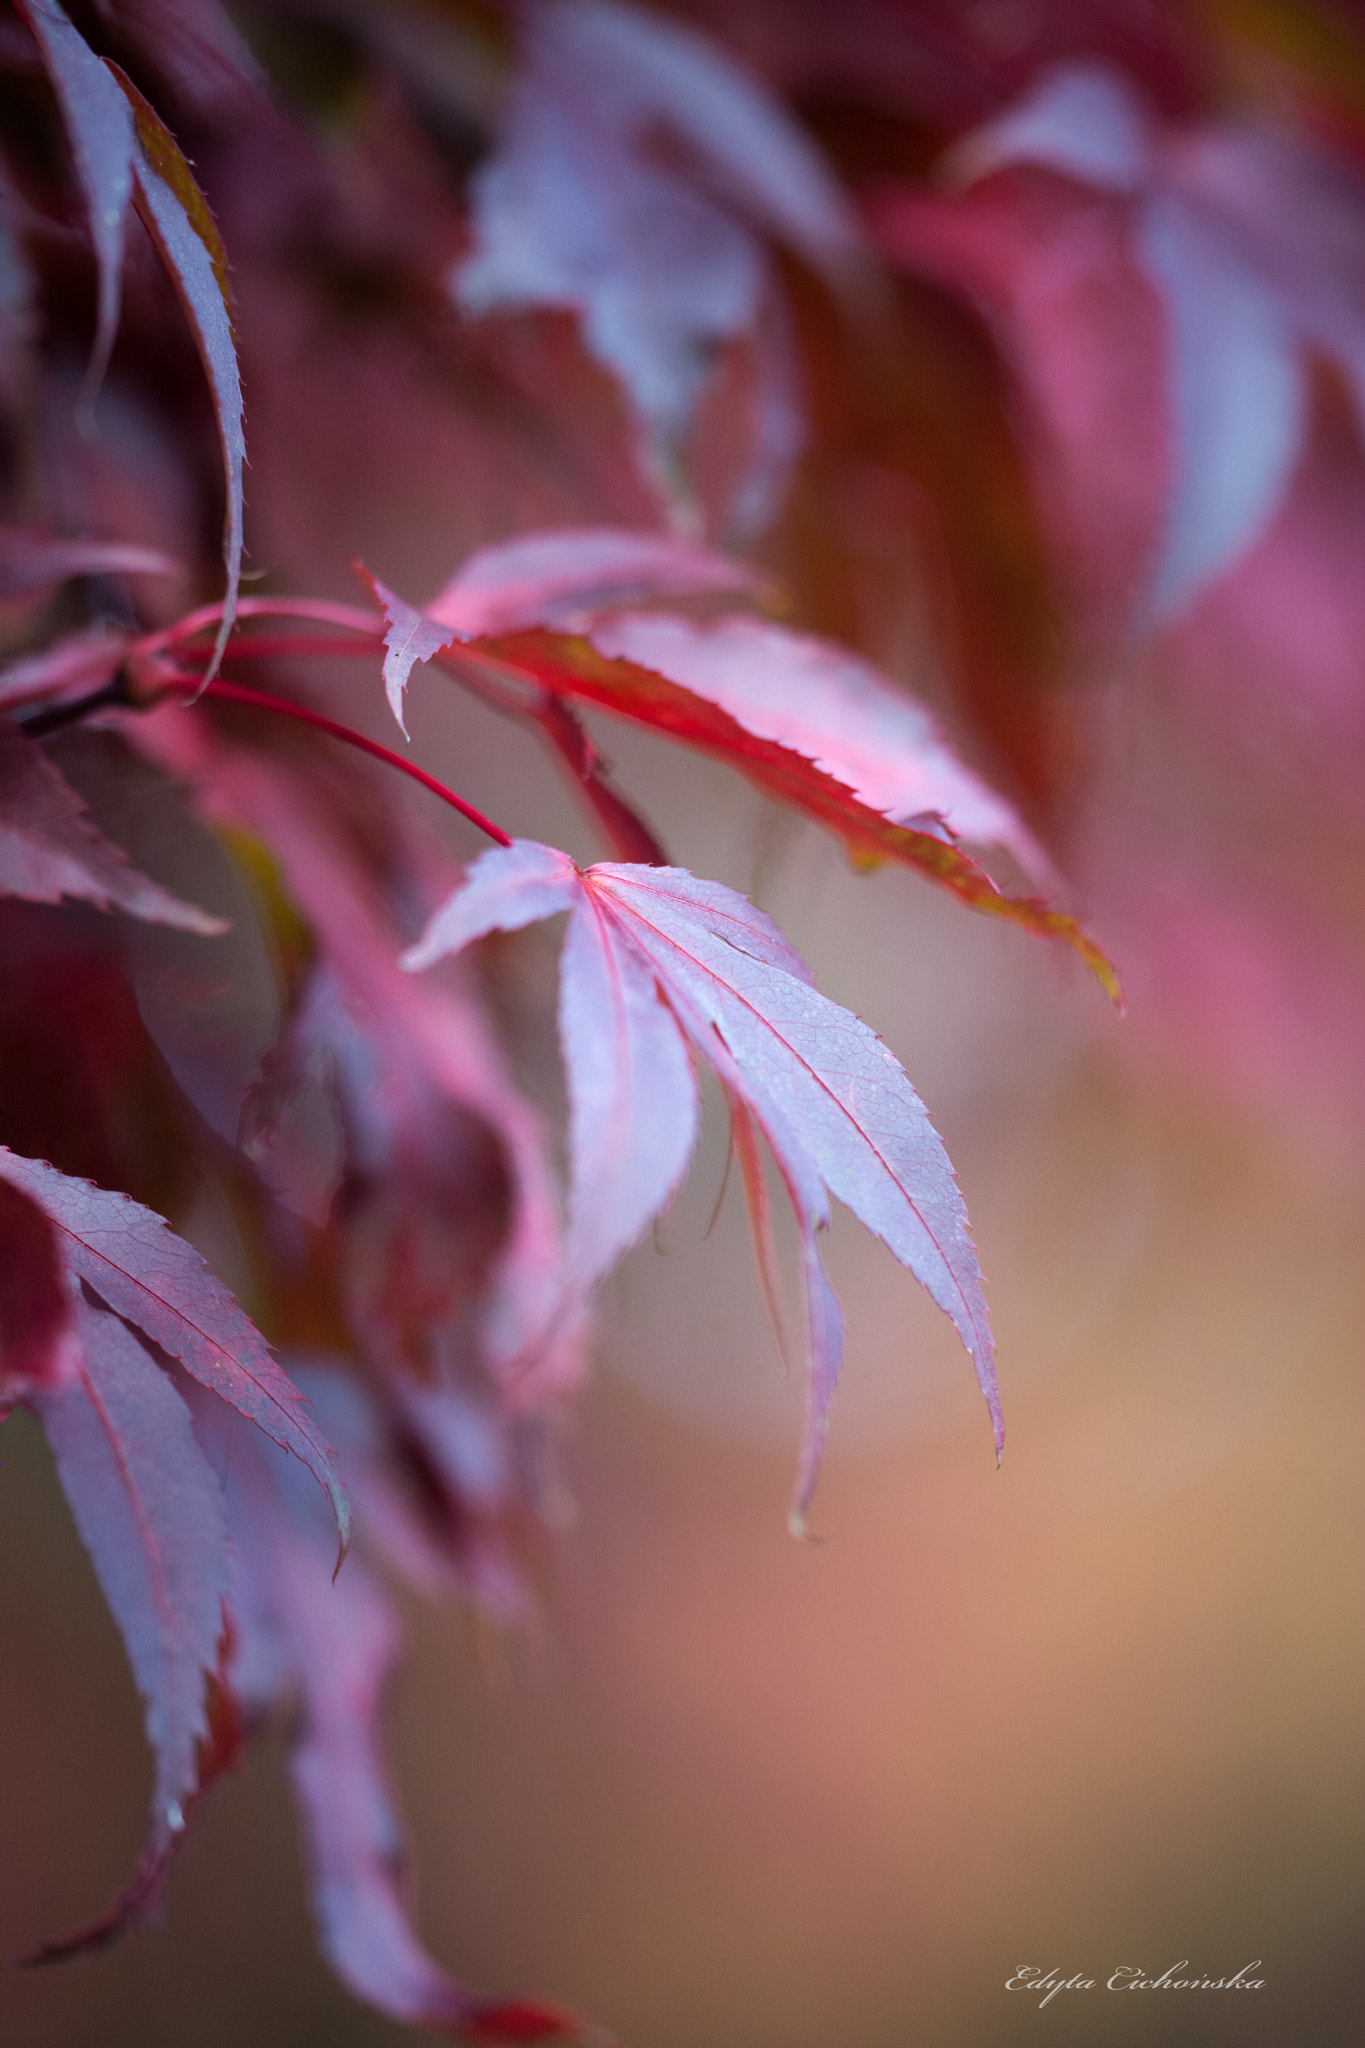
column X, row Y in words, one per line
column 1098, row 1709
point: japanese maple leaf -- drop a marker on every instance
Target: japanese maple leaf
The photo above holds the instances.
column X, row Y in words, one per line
column 80, row 1266
column 806, row 720
column 656, row 962
column 151, row 1514
column 143, row 1272
column 124, row 154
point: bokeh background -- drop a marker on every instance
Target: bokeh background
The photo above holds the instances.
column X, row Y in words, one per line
column 1098, row 1708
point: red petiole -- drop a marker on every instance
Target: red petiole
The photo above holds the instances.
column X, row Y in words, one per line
column 353, row 618
column 237, row 693
column 498, row 683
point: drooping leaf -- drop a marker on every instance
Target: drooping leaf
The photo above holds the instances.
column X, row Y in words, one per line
column 177, row 217
column 101, row 131
column 150, row 1512
column 50, row 846
column 331, row 1645
column 745, row 1146
column 124, row 151
column 38, row 1348
column 142, row 1271
column 31, row 561
column 835, row 1107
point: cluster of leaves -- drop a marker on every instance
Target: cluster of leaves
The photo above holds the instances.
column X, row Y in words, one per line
column 576, row 160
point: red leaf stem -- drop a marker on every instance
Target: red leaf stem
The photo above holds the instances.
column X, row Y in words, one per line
column 263, row 646
column 353, row 618
column 237, row 693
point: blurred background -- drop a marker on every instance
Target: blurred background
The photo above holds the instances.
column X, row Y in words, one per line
column 1099, row 1708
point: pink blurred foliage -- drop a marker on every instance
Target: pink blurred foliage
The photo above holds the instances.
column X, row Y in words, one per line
column 1050, row 266
column 1207, row 555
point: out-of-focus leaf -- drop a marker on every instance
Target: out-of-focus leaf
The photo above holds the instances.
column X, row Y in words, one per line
column 1245, row 278
column 101, row 131
column 1237, row 399
column 448, row 1212
column 177, row 217
column 195, row 48
column 50, row 846
column 332, row 1645
column 38, row 1348
column 151, row 1514
column 626, row 831
column 548, row 579
column 30, row 561
column 654, row 248
column 142, row 1271
column 1294, row 214
column 1081, row 118
column 436, row 1477
column 1081, row 327
column 836, row 1108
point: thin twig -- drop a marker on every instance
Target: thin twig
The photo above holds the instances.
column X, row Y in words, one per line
column 353, row 618
column 237, row 693
column 114, row 692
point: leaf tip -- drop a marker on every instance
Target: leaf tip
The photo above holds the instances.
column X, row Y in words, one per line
column 515, row 2020
column 341, row 1508
column 1104, row 971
